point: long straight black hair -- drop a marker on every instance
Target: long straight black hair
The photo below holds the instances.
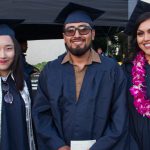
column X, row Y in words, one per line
column 17, row 66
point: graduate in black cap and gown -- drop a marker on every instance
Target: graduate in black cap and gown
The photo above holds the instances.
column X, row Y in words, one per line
column 137, row 69
column 15, row 104
column 81, row 96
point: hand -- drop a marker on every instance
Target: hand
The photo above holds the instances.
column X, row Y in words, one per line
column 64, row 148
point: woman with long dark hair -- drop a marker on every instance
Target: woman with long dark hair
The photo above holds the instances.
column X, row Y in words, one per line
column 15, row 104
column 138, row 75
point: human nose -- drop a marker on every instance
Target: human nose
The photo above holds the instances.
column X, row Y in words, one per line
column 77, row 34
column 147, row 37
column 2, row 53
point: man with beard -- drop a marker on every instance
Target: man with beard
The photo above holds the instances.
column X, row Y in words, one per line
column 81, row 96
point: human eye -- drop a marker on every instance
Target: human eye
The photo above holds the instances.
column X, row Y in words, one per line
column 9, row 48
column 140, row 33
column 84, row 29
column 69, row 31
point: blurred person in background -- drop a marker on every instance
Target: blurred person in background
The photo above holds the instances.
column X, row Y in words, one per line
column 28, row 68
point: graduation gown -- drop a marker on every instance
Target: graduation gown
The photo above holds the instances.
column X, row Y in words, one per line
column 99, row 114
column 139, row 125
column 13, row 125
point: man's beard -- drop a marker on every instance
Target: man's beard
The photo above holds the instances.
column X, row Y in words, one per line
column 78, row 51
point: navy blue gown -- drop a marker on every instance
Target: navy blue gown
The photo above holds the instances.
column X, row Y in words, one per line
column 99, row 114
column 139, row 125
column 14, row 129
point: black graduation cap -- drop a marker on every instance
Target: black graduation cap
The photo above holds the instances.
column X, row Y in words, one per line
column 140, row 8
column 6, row 26
column 77, row 13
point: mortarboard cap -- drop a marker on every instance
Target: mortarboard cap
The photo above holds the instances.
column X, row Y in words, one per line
column 73, row 13
column 6, row 26
column 141, row 7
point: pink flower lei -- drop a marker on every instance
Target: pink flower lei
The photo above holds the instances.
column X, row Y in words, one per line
column 138, row 90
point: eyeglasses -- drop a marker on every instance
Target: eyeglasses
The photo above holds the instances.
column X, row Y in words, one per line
column 8, row 98
column 83, row 30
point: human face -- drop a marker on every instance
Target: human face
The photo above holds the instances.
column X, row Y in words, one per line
column 7, row 54
column 143, row 37
column 78, row 44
